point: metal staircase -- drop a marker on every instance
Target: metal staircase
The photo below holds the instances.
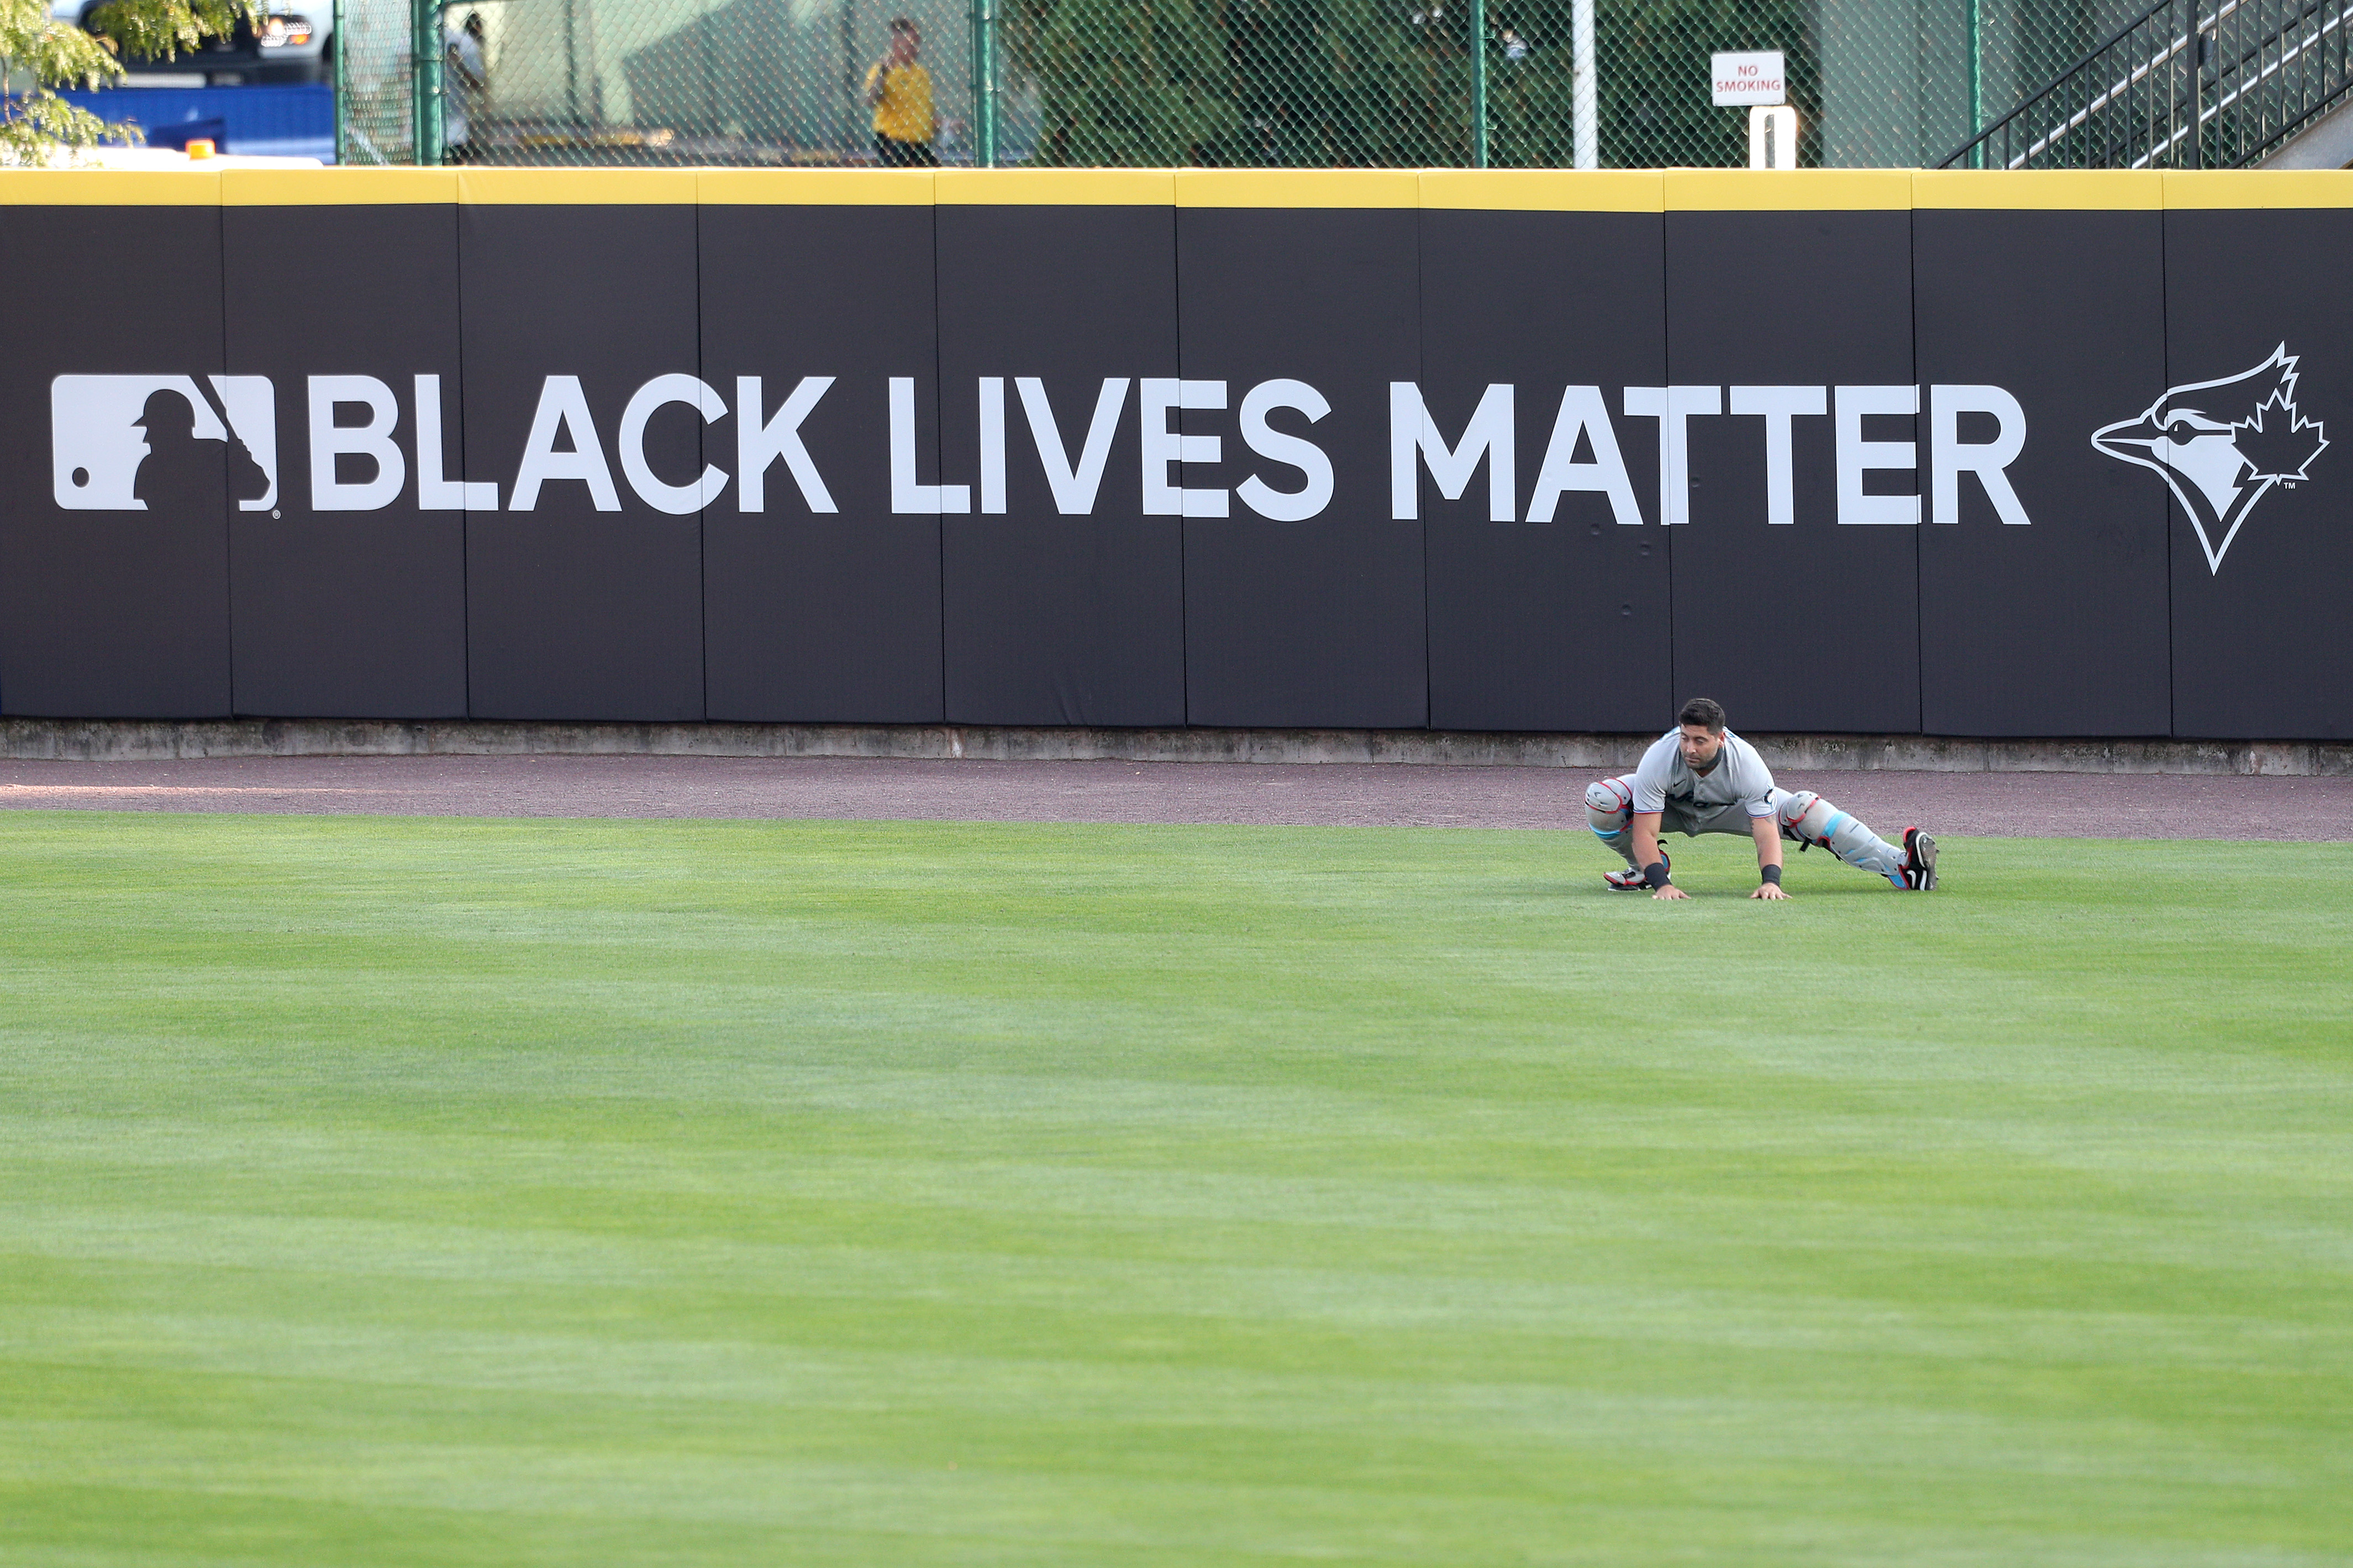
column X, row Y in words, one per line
column 2189, row 84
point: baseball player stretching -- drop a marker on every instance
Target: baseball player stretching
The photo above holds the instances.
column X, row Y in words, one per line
column 1703, row 778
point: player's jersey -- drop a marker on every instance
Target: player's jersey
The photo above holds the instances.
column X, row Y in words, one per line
column 1739, row 777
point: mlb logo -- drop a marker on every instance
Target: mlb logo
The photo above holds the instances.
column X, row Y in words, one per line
column 112, row 437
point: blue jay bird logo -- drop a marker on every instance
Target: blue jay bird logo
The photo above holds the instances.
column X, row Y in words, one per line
column 2221, row 446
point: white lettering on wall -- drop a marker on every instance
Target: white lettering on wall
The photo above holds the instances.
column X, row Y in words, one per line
column 1950, row 457
column 1780, row 406
column 562, row 406
column 992, row 444
column 1672, row 407
column 759, row 444
column 1488, row 436
column 1264, row 440
column 1857, row 455
column 434, row 492
column 1163, row 448
column 359, row 462
column 1583, row 414
column 1074, row 484
column 372, row 441
column 678, row 500
column 906, row 494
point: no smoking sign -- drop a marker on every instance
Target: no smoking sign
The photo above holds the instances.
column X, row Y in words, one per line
column 1748, row 78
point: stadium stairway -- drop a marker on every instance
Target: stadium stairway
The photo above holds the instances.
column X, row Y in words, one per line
column 2191, row 84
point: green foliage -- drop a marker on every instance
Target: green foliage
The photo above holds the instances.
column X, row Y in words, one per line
column 1348, row 83
column 1655, row 108
column 161, row 30
column 1386, row 83
column 1281, row 83
column 1122, row 82
column 36, row 125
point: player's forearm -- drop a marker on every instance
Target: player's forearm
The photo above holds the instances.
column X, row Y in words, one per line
column 1766, row 830
column 1646, row 839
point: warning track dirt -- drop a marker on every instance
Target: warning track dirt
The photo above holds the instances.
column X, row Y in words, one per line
column 2008, row 805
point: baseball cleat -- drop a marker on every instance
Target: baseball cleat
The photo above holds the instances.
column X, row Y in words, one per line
column 1630, row 880
column 1919, row 861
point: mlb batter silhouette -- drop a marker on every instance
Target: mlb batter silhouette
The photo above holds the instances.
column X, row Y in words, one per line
column 186, row 475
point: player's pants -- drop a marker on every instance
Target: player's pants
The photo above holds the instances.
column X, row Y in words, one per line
column 1802, row 815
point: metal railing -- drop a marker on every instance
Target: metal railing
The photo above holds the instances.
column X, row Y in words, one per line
column 2187, row 84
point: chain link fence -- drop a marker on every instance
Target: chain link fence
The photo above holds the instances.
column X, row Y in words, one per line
column 1156, row 83
column 2189, row 84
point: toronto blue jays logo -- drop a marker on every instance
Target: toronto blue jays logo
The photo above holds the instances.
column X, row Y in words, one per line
column 2221, row 446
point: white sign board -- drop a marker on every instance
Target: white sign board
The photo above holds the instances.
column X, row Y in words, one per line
column 1748, row 78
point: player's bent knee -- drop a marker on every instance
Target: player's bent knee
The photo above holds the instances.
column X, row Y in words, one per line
column 1609, row 804
column 1805, row 816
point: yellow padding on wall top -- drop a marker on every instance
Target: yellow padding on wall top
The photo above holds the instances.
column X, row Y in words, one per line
column 110, row 187
column 2192, row 188
column 1058, row 187
column 338, row 187
column 1298, row 188
column 2070, row 190
column 815, row 187
column 1499, row 190
column 580, row 188
column 1545, row 190
column 1788, row 190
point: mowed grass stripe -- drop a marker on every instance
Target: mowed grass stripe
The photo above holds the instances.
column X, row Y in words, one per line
column 438, row 1191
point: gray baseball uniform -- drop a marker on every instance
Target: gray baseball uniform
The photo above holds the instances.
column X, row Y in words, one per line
column 1721, row 800
column 1727, row 798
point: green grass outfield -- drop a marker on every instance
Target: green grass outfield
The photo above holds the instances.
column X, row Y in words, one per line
column 441, row 1192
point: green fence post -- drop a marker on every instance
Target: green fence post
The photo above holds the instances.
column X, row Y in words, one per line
column 1478, row 84
column 425, row 51
column 336, row 41
column 984, row 83
column 1977, row 81
column 853, row 132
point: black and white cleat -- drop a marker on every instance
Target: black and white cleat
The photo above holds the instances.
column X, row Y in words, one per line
column 1919, row 861
column 1630, row 880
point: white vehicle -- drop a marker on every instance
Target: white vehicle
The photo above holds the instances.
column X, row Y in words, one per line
column 289, row 46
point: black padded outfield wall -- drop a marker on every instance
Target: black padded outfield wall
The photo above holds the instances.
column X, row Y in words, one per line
column 1063, row 593
column 1967, row 453
column 1303, row 589
column 2048, row 621
column 585, row 418
column 1791, row 385
column 822, row 602
column 116, row 481
column 347, row 593
column 1547, row 591
column 2263, row 564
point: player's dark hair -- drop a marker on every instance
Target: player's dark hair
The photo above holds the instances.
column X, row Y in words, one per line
column 1702, row 710
column 902, row 25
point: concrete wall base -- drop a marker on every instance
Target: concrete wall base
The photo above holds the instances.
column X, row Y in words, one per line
column 91, row 740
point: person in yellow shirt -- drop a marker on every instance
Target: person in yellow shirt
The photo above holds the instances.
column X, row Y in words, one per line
column 900, row 92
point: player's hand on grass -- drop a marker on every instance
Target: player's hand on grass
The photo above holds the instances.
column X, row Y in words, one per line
column 1768, row 890
column 1670, row 891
